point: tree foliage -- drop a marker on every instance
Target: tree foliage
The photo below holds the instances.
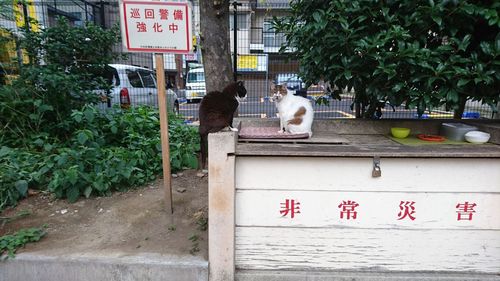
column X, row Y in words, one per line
column 6, row 9
column 422, row 54
column 65, row 68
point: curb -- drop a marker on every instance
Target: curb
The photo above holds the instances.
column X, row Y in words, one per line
column 103, row 266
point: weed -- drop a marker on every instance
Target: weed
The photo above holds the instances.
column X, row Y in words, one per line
column 20, row 214
column 194, row 237
column 201, row 219
column 195, row 246
column 172, row 227
column 202, row 223
column 9, row 244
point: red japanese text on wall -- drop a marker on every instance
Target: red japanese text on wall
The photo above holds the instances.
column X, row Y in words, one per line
column 347, row 209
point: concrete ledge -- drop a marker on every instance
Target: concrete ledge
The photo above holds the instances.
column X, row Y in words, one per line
column 103, row 266
column 259, row 275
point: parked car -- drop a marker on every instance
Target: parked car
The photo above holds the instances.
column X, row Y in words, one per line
column 295, row 83
column 195, row 85
column 282, row 78
column 132, row 86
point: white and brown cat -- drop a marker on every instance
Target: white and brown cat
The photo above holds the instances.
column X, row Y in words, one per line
column 296, row 113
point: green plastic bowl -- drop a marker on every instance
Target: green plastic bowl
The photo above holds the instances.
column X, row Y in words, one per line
column 400, row 133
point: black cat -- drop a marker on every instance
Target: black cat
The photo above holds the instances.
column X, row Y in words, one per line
column 216, row 113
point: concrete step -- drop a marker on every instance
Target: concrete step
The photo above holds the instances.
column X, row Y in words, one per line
column 288, row 275
column 103, row 266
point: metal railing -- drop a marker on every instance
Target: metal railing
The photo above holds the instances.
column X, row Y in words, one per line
column 258, row 44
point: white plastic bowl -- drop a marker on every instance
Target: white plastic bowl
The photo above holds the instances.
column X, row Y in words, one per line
column 477, row 137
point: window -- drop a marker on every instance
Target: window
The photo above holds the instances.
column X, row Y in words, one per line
column 135, row 80
column 147, row 79
column 241, row 21
column 271, row 38
column 111, row 76
column 194, row 77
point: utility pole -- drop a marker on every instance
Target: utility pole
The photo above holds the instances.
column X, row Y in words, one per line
column 235, row 40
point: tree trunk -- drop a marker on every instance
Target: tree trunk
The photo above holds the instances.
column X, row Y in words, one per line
column 179, row 81
column 461, row 108
column 214, row 15
column 497, row 114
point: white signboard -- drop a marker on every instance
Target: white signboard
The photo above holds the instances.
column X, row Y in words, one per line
column 159, row 27
column 329, row 214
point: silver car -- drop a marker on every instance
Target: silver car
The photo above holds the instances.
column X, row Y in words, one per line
column 132, row 86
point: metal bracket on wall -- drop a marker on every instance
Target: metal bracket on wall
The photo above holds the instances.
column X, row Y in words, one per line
column 376, row 172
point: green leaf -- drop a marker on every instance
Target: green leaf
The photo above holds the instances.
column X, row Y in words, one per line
column 126, row 173
column 87, row 191
column 82, row 137
column 462, row 82
column 72, row 175
column 78, row 117
column 347, row 74
column 317, row 16
column 5, row 151
column 437, row 19
column 72, row 193
column 89, row 115
column 22, row 187
column 397, row 87
column 192, row 162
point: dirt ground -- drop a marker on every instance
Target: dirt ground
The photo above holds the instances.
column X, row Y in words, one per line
column 127, row 223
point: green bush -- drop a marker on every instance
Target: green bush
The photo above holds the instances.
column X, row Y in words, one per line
column 66, row 65
column 52, row 139
column 107, row 151
column 423, row 54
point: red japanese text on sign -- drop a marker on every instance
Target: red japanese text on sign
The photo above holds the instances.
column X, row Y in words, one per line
column 157, row 27
column 178, row 15
column 163, row 14
column 290, row 207
column 406, row 210
column 141, row 27
column 348, row 209
column 134, row 13
column 149, row 13
column 465, row 211
column 142, row 21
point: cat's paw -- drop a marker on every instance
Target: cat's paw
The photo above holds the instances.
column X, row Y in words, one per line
column 233, row 129
column 281, row 131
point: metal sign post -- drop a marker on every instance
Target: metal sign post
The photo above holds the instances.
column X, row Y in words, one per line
column 158, row 27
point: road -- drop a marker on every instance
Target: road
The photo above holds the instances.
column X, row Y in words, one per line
column 261, row 108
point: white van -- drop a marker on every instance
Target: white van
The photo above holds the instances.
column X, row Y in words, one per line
column 195, row 85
